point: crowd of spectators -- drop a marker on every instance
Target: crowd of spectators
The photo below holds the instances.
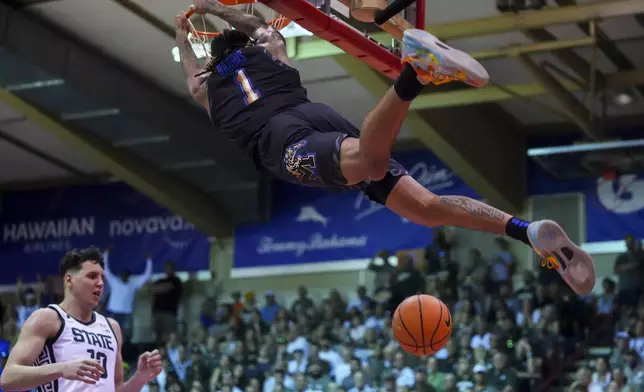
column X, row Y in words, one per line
column 509, row 334
column 618, row 322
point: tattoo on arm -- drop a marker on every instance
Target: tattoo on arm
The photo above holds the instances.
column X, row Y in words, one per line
column 188, row 57
column 472, row 207
column 253, row 26
column 241, row 21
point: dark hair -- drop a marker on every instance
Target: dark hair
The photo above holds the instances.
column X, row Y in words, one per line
column 74, row 259
column 225, row 44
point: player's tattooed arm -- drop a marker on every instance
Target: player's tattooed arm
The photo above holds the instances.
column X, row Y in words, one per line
column 191, row 67
column 255, row 27
column 472, row 207
column 187, row 56
column 241, row 21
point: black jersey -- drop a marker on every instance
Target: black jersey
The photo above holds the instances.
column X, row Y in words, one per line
column 247, row 89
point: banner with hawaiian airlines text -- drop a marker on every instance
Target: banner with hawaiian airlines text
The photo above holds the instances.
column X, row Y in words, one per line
column 614, row 208
column 312, row 225
column 38, row 227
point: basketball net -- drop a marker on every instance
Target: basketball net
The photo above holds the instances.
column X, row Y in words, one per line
column 200, row 40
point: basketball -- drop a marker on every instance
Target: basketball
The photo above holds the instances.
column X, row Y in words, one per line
column 422, row 324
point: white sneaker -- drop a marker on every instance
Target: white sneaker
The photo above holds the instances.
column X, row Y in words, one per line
column 575, row 266
column 438, row 63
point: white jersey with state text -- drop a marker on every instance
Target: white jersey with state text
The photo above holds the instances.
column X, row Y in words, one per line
column 78, row 340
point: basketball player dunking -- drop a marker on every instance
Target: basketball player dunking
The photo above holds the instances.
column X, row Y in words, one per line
column 69, row 347
column 256, row 99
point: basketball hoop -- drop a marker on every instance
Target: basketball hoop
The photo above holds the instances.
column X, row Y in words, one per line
column 200, row 39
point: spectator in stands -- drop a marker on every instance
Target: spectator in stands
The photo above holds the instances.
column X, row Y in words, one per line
column 439, row 247
column 435, row 377
column 270, row 308
column 407, row 281
column 237, row 304
column 637, row 339
column 474, row 266
column 618, row 382
column 248, row 309
column 464, row 373
column 10, row 331
column 361, row 301
column 482, row 334
column 403, row 374
column 500, row 342
column 629, row 267
column 383, row 265
column 618, row 353
column 52, row 290
column 605, row 303
column 303, row 303
column 165, row 306
column 480, row 379
column 123, row 288
column 28, row 301
column 583, row 378
column 359, row 383
column 502, row 375
column 601, row 377
column 508, row 259
column 448, row 278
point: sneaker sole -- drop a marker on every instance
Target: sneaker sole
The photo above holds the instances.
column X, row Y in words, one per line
column 580, row 271
column 451, row 60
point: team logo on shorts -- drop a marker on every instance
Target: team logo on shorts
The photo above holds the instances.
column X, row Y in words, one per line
column 301, row 166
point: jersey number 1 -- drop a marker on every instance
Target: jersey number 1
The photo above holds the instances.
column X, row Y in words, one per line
column 100, row 357
column 243, row 81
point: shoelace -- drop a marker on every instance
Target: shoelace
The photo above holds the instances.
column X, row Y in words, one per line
column 550, row 262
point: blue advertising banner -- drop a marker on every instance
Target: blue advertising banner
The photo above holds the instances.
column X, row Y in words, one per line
column 614, row 208
column 312, row 225
column 38, row 227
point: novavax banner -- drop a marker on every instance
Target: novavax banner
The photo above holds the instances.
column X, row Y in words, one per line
column 38, row 227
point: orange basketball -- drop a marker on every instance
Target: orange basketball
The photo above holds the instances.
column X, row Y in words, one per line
column 422, row 324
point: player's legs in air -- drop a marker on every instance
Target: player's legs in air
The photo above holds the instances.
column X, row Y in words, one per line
column 367, row 158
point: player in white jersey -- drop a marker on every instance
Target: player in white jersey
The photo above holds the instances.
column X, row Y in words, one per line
column 71, row 348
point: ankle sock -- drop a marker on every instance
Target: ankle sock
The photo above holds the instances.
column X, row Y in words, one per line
column 518, row 229
column 407, row 85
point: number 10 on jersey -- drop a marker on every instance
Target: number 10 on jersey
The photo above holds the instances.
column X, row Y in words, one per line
column 100, row 357
column 243, row 81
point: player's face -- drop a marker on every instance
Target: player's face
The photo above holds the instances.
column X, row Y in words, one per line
column 87, row 284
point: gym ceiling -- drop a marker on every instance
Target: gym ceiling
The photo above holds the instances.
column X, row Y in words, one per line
column 90, row 92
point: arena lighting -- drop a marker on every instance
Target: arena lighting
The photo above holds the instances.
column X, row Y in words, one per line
column 534, row 152
column 606, row 247
column 292, row 30
column 623, row 99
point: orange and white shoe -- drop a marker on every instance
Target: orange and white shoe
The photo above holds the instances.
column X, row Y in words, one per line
column 575, row 266
column 438, row 63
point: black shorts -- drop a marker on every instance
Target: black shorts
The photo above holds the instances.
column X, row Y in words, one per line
column 302, row 146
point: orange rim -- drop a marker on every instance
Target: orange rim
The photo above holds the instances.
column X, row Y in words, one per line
column 279, row 22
